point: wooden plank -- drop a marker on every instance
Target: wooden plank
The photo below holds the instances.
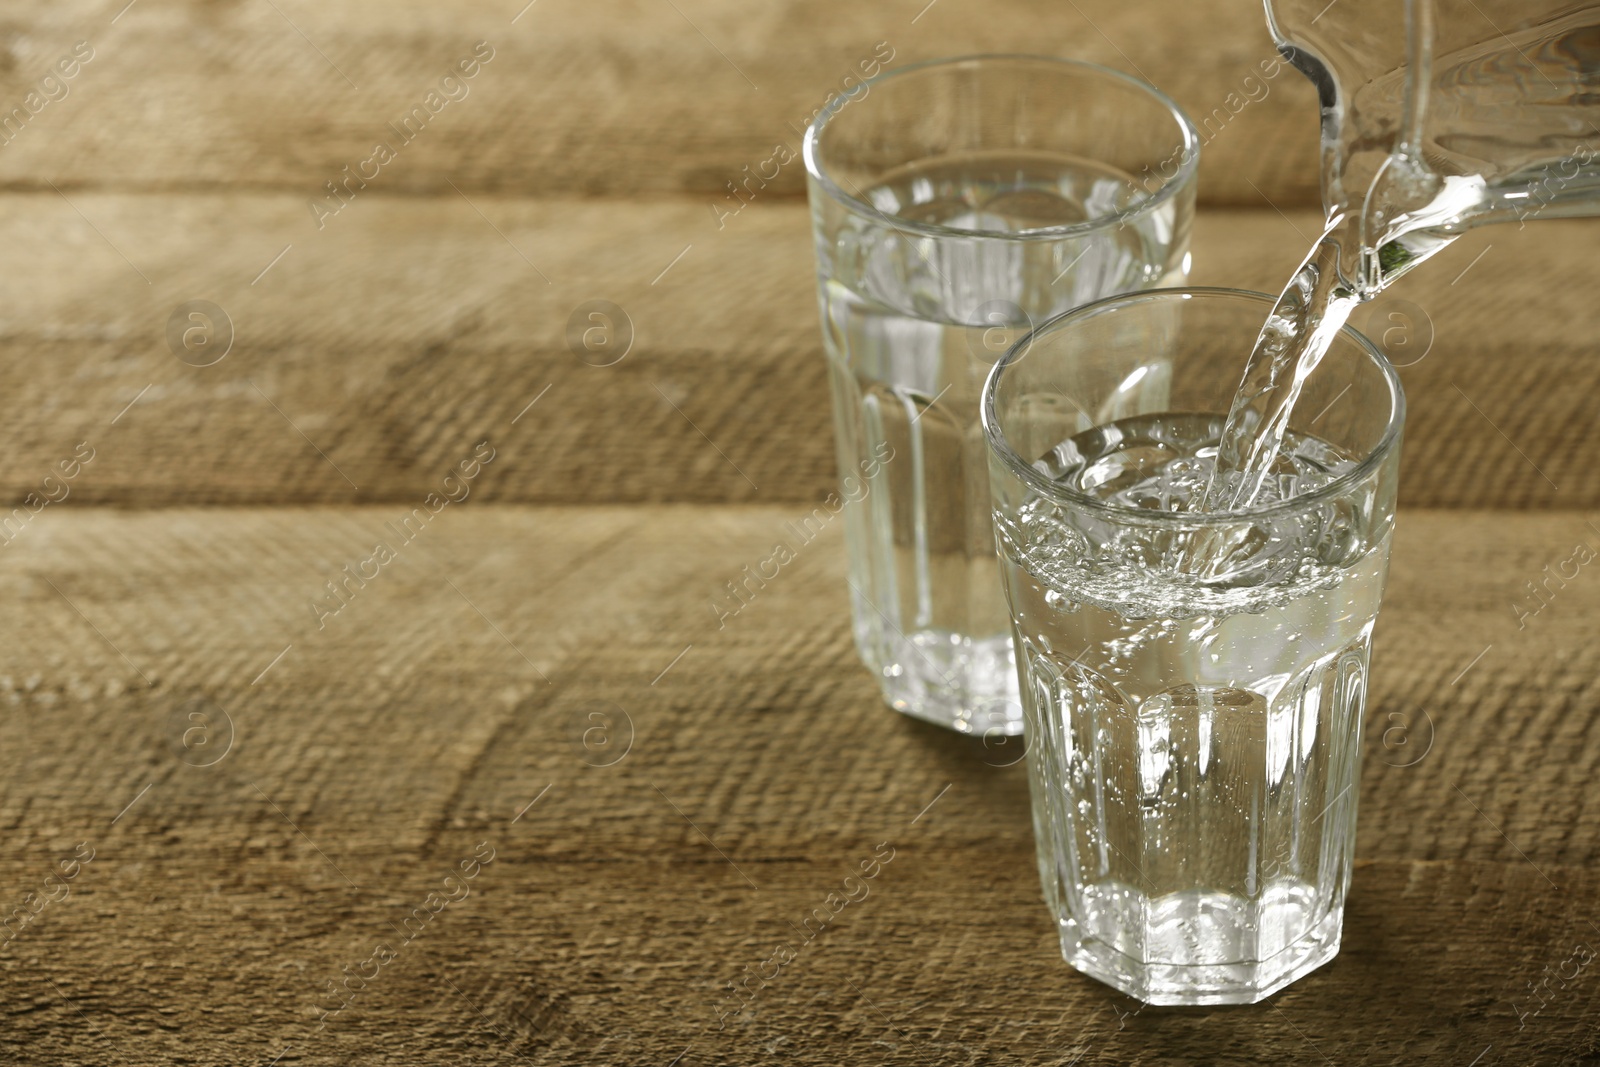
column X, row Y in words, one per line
column 369, row 357
column 342, row 771
column 614, row 99
column 950, row 960
column 123, row 617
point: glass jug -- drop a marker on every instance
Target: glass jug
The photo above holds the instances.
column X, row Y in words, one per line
column 1440, row 115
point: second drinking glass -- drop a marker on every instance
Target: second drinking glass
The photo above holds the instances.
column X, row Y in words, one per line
column 954, row 205
column 1195, row 681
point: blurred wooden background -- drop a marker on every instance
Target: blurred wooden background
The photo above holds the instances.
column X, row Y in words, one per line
column 547, row 640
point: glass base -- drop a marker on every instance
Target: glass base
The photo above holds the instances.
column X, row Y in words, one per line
column 961, row 683
column 1187, row 933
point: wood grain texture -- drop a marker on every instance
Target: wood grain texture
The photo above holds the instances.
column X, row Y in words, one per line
column 276, row 765
column 370, row 355
column 623, row 98
column 740, row 772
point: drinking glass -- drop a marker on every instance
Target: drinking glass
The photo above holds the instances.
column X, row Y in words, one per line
column 955, row 204
column 1193, row 683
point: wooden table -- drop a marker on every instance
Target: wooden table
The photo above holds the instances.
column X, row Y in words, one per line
column 520, row 797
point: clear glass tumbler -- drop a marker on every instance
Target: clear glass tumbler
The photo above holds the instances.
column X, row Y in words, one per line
column 955, row 204
column 1193, row 683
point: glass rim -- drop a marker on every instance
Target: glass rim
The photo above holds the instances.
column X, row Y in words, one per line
column 1188, row 152
column 995, row 437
